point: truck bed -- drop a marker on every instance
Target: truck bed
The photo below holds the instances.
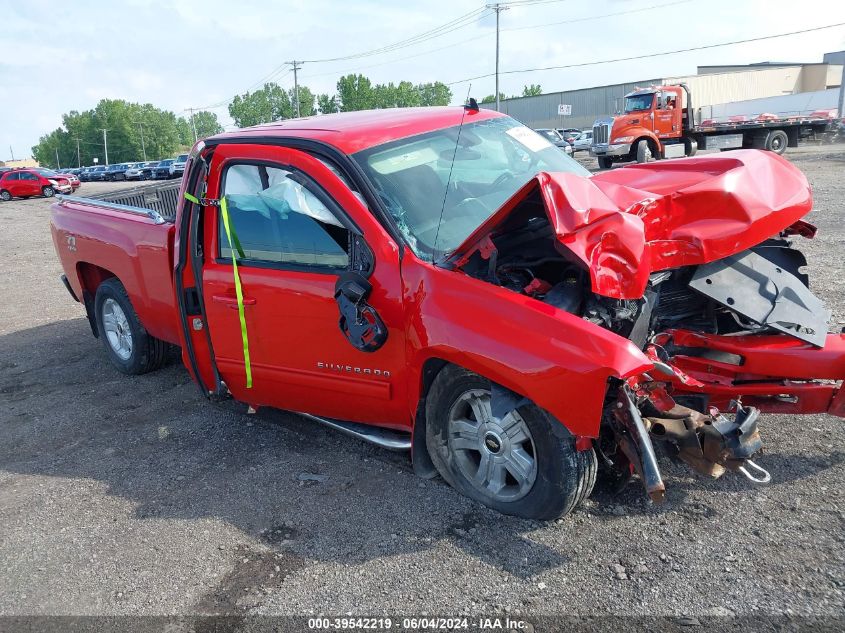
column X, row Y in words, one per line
column 97, row 239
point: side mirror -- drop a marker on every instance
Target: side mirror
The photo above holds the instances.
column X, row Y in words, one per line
column 359, row 322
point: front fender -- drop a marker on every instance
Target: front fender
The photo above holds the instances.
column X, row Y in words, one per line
column 556, row 359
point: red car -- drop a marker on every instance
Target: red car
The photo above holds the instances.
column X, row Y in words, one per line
column 24, row 183
column 446, row 281
column 73, row 179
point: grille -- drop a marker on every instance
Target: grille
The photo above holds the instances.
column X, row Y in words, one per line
column 159, row 197
column 601, row 132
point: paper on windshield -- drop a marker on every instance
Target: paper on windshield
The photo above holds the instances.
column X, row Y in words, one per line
column 528, row 138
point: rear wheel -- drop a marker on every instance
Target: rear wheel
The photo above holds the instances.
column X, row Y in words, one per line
column 605, row 162
column 523, row 463
column 777, row 141
column 5, row 196
column 48, row 192
column 129, row 347
column 690, row 146
column 643, row 152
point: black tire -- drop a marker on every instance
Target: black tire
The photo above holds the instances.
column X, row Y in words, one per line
column 564, row 476
column 48, row 191
column 777, row 141
column 605, row 162
column 147, row 352
column 643, row 152
column 5, row 196
column 690, row 146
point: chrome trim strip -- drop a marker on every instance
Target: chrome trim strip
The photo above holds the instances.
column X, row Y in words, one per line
column 153, row 215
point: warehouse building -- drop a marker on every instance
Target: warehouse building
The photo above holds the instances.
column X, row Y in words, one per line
column 711, row 86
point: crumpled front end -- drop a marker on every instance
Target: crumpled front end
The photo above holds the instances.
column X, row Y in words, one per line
column 695, row 262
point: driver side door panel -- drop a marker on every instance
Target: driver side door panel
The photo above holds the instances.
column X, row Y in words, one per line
column 301, row 361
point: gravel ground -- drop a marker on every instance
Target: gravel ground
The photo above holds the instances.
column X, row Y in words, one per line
column 123, row 496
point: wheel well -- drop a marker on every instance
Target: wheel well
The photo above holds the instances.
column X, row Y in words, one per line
column 420, row 459
column 652, row 145
column 90, row 278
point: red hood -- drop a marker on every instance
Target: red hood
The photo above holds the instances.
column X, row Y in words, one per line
column 626, row 223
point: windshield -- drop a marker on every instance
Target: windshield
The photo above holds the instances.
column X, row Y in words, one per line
column 492, row 160
column 638, row 102
column 165, row 163
column 47, row 173
column 182, row 158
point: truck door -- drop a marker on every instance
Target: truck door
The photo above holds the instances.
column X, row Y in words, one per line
column 296, row 228
column 665, row 114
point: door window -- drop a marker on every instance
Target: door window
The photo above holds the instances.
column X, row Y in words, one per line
column 12, row 177
column 278, row 219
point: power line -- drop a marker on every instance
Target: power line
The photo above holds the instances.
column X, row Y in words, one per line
column 453, row 25
column 634, row 57
column 596, row 17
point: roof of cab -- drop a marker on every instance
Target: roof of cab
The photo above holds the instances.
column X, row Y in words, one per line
column 352, row 132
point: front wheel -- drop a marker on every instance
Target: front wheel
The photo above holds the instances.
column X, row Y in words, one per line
column 48, row 192
column 129, row 347
column 643, row 152
column 523, row 463
column 5, row 196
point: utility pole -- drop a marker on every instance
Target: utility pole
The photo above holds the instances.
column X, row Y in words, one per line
column 12, row 152
column 193, row 127
column 498, row 7
column 58, row 164
column 106, row 144
column 143, row 149
column 296, row 66
column 78, row 155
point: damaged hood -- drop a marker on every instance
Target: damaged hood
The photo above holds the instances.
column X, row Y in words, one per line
column 625, row 224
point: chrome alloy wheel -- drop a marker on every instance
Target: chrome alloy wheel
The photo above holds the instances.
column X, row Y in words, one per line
column 117, row 329
column 497, row 456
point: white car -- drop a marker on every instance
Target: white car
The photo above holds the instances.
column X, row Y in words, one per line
column 583, row 142
column 177, row 168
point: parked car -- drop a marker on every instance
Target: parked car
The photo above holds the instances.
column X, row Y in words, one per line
column 85, row 173
column 134, row 171
column 74, row 181
column 507, row 329
column 177, row 167
column 162, row 170
column 554, row 137
column 583, row 142
column 147, row 170
column 115, row 172
column 25, row 183
column 98, row 173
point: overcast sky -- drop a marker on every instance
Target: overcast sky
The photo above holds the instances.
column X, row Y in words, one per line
column 56, row 57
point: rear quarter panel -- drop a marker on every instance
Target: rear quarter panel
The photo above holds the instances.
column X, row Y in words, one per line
column 94, row 243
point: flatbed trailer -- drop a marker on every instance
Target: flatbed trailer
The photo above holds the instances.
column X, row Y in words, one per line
column 659, row 122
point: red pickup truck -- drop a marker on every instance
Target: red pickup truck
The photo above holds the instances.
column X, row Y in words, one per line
column 448, row 282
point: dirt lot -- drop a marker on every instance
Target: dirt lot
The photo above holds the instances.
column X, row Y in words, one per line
column 135, row 496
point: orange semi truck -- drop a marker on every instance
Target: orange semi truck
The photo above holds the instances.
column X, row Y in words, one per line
column 658, row 122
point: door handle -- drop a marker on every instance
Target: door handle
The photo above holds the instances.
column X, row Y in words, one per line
column 231, row 301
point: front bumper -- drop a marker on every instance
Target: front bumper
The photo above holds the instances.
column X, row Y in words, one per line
column 612, row 149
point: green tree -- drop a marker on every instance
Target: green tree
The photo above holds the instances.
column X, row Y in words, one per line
column 206, row 124
column 434, row 94
column 269, row 104
column 492, row 98
column 355, row 92
column 133, row 130
column 327, row 104
column 533, row 90
column 306, row 101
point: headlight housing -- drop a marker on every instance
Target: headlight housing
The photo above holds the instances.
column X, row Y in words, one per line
column 55, row 183
column 623, row 139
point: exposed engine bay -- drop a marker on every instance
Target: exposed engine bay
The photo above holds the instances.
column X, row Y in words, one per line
column 758, row 292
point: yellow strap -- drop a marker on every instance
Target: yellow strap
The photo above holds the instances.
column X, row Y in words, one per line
column 239, row 293
column 233, row 240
